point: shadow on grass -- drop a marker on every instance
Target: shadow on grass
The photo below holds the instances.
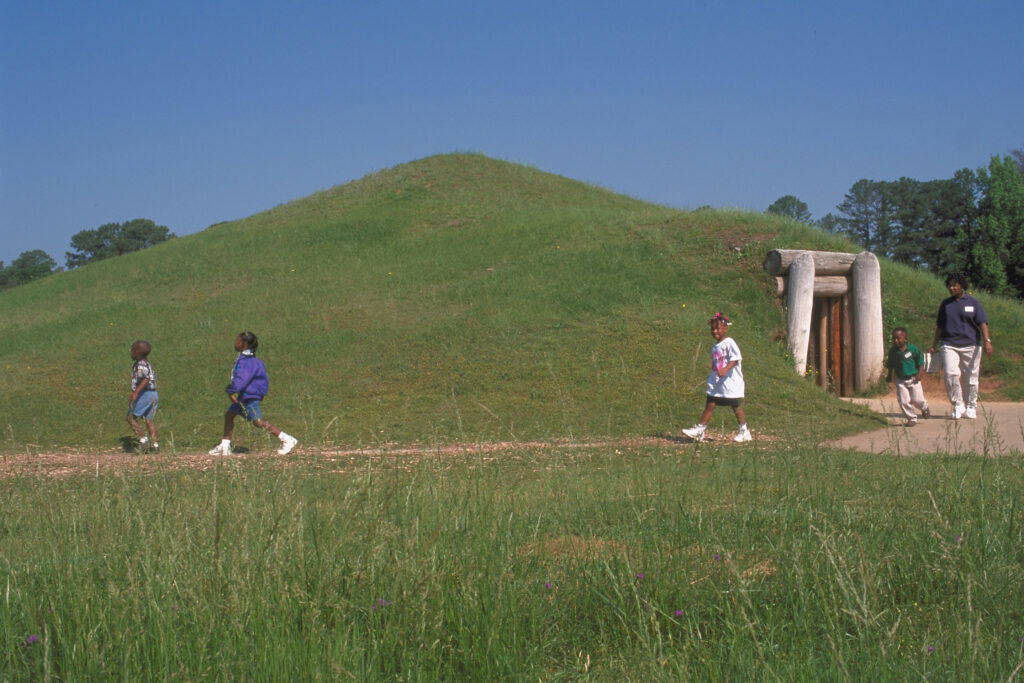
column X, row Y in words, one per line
column 673, row 438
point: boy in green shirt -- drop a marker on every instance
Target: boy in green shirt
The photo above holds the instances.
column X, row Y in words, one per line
column 904, row 363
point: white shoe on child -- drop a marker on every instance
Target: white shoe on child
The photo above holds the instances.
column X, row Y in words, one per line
column 971, row 413
column 223, row 448
column 696, row 432
column 743, row 434
column 288, row 442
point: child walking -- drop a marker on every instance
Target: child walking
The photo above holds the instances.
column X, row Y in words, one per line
column 725, row 383
column 144, row 400
column 904, row 363
column 249, row 384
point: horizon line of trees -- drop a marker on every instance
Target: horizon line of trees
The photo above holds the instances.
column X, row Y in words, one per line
column 110, row 239
column 972, row 223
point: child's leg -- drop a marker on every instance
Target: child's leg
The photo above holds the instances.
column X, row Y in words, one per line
column 741, row 417
column 705, row 417
column 151, row 427
column 133, row 422
column 288, row 442
column 229, row 424
column 263, row 424
column 903, row 400
column 917, row 398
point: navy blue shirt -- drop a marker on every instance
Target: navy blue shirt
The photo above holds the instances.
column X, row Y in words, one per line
column 959, row 321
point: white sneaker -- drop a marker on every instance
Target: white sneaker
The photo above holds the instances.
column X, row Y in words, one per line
column 971, row 413
column 287, row 444
column 743, row 434
column 696, row 432
column 223, row 448
column 958, row 411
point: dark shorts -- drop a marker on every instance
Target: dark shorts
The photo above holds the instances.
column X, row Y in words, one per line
column 249, row 409
column 722, row 401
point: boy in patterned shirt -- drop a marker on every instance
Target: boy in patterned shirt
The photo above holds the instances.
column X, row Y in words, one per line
column 143, row 401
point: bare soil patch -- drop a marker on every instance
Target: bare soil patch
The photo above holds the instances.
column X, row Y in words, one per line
column 56, row 464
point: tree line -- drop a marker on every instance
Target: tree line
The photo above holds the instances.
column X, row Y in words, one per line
column 972, row 223
column 111, row 239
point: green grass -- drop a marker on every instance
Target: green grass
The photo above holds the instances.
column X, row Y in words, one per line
column 613, row 563
column 454, row 298
column 463, row 299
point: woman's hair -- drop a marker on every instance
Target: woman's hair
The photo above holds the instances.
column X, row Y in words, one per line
column 958, row 278
column 251, row 342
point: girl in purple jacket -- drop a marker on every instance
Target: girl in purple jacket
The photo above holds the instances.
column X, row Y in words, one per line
column 249, row 384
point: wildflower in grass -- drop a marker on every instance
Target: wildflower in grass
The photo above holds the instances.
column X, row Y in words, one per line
column 680, row 612
column 931, row 649
column 640, row 576
column 32, row 639
column 717, row 558
column 959, row 539
column 381, row 603
column 547, row 586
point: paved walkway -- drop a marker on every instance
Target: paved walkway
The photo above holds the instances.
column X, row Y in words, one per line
column 998, row 430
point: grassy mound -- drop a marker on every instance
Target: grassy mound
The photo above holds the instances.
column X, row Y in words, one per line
column 449, row 299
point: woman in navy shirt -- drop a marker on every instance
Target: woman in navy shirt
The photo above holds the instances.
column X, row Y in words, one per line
column 961, row 331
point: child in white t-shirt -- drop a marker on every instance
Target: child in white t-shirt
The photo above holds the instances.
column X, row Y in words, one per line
column 725, row 383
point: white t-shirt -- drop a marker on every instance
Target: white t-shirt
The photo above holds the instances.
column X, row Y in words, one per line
column 730, row 386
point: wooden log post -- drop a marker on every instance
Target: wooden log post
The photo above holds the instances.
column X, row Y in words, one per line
column 847, row 346
column 824, row 285
column 778, row 261
column 800, row 302
column 835, row 344
column 823, row 325
column 868, row 335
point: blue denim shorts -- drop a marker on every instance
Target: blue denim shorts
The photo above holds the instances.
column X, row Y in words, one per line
column 145, row 405
column 249, row 409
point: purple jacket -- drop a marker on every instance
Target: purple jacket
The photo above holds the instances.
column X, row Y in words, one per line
column 249, row 378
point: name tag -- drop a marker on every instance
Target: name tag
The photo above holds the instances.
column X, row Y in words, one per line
column 907, row 354
column 968, row 309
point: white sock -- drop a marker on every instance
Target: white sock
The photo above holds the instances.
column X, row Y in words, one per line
column 284, row 437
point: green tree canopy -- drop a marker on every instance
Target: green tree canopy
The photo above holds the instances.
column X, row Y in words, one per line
column 996, row 249
column 1018, row 158
column 29, row 266
column 792, row 207
column 114, row 239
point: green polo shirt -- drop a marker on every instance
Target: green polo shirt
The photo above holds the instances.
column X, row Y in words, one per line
column 905, row 362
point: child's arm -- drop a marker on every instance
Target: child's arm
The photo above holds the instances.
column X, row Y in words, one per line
column 138, row 390
column 724, row 370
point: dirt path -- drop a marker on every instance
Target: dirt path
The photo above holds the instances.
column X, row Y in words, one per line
column 998, row 430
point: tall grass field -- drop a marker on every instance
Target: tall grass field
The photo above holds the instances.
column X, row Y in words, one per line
column 485, row 365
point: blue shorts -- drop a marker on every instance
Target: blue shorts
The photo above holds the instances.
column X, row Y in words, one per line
column 145, row 405
column 247, row 408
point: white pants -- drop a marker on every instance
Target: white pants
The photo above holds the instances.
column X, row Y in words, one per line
column 910, row 395
column 961, row 366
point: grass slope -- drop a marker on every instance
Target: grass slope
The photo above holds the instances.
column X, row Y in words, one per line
column 452, row 298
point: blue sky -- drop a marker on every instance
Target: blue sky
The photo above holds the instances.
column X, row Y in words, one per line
column 190, row 113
